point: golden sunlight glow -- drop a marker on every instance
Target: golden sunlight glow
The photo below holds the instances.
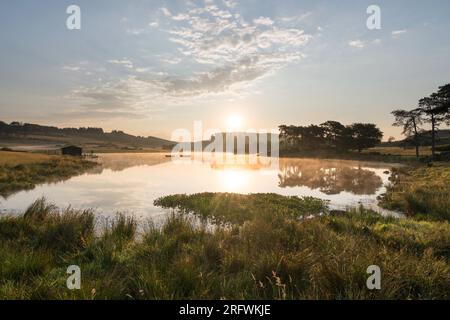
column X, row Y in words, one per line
column 234, row 122
column 234, row 180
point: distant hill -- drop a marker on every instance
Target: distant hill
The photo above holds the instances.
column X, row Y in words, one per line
column 96, row 138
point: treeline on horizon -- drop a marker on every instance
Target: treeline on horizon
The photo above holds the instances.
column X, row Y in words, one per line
column 433, row 110
column 22, row 130
column 334, row 136
column 16, row 127
column 330, row 136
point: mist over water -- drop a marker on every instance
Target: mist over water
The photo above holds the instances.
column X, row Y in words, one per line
column 129, row 183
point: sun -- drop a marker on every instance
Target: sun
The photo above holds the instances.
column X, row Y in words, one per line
column 234, row 122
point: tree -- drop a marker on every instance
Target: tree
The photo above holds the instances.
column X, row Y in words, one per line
column 365, row 135
column 335, row 135
column 312, row 137
column 443, row 97
column 288, row 136
column 330, row 135
column 410, row 121
column 434, row 110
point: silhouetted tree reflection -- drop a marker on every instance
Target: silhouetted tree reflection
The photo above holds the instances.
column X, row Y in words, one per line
column 329, row 177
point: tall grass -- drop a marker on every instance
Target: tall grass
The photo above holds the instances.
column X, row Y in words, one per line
column 423, row 192
column 266, row 256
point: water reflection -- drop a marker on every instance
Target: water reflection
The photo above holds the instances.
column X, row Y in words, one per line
column 234, row 180
column 120, row 162
column 131, row 182
column 330, row 177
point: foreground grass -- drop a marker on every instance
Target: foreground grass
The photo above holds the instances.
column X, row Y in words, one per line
column 423, row 192
column 23, row 171
column 261, row 256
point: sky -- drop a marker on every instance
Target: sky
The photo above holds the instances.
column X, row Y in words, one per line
column 150, row 67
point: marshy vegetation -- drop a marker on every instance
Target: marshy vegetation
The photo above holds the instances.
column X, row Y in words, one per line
column 263, row 251
column 23, row 171
column 239, row 208
column 422, row 191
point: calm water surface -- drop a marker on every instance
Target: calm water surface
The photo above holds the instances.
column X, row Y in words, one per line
column 130, row 183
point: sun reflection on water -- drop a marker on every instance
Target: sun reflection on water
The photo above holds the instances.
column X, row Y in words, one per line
column 234, row 180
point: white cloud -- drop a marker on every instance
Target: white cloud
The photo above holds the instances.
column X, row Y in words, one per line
column 124, row 62
column 298, row 18
column 71, row 68
column 166, row 12
column 357, row 44
column 180, row 17
column 171, row 60
column 265, row 21
column 142, row 70
column 135, row 32
column 214, row 36
column 225, row 53
column 230, row 3
column 398, row 33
